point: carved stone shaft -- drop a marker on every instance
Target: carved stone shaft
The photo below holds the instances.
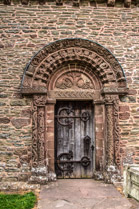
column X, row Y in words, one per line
column 34, row 137
column 127, row 3
column 110, row 3
column 38, row 130
column 110, row 137
column 116, row 131
column 40, row 135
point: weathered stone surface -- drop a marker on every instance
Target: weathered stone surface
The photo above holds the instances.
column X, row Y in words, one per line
column 20, row 122
column 18, row 186
column 4, row 120
column 89, row 194
column 131, row 181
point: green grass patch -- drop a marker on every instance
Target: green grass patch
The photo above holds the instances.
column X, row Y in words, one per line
column 17, row 201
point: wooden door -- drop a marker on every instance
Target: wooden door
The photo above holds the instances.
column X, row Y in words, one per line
column 74, row 144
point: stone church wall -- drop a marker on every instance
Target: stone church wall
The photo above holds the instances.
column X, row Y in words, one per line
column 24, row 30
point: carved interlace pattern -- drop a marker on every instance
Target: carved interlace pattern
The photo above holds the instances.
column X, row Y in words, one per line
column 71, row 94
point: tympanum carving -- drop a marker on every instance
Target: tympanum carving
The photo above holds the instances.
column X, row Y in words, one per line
column 74, row 81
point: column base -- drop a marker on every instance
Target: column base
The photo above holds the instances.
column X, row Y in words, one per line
column 110, row 175
column 40, row 175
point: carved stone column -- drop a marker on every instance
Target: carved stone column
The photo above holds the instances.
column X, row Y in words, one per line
column 116, row 130
column 112, row 172
column 39, row 169
column 112, row 109
column 110, row 136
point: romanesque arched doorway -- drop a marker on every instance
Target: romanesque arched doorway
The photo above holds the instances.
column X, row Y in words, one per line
column 66, row 74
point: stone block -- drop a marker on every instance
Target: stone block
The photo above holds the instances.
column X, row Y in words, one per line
column 124, row 116
column 123, row 108
column 20, row 122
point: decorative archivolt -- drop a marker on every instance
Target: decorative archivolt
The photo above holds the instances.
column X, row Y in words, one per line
column 54, row 56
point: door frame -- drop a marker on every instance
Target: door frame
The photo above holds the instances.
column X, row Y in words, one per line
column 100, row 67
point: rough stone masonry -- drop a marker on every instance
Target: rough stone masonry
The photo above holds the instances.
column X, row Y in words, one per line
column 24, row 30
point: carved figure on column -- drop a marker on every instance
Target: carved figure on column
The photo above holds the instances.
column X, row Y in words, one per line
column 39, row 100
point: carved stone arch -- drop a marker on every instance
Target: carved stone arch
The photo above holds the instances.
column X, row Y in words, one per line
column 74, row 69
column 56, row 54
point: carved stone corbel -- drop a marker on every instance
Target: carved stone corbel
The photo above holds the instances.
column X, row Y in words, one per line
column 7, row 2
column 110, row 3
column 127, row 3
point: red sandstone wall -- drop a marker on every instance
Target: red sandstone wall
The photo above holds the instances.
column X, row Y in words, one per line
column 26, row 29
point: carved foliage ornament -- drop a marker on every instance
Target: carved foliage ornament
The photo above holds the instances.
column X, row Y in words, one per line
column 74, row 81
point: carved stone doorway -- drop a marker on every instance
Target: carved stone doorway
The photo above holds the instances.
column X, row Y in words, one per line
column 74, row 69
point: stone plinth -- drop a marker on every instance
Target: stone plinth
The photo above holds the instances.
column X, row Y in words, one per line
column 131, row 181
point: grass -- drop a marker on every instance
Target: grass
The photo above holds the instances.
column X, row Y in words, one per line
column 17, row 201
